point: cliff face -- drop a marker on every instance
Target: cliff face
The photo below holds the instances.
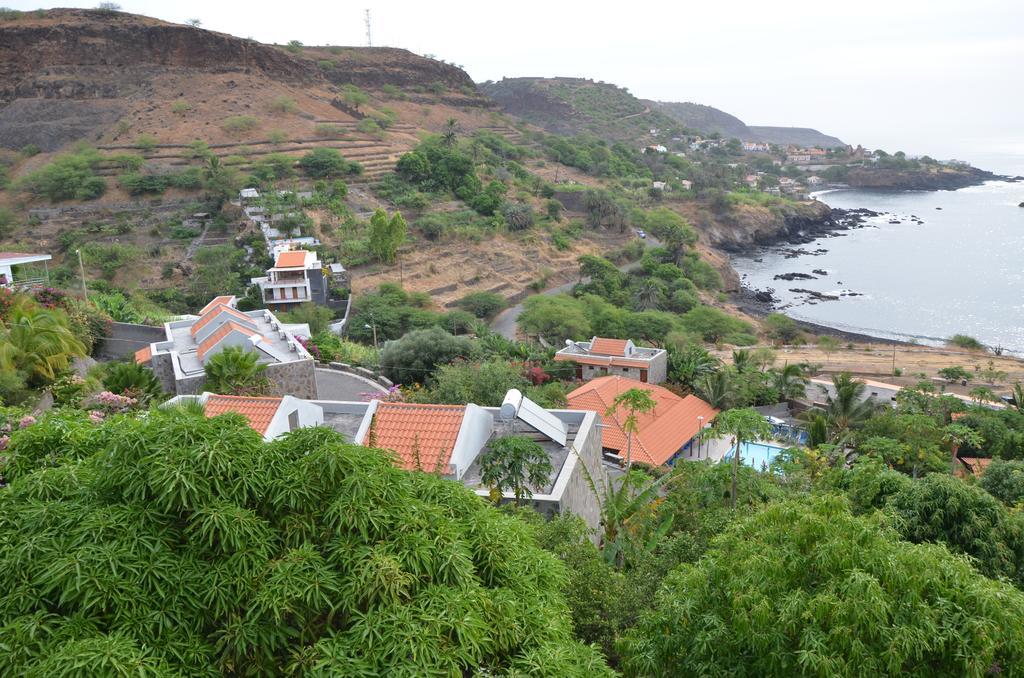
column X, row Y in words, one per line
column 747, row 227
column 924, row 179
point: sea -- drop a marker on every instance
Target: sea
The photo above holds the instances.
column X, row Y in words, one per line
column 953, row 264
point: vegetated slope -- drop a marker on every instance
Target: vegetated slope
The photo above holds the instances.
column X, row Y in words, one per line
column 576, row 105
column 797, row 136
column 705, row 119
column 709, row 120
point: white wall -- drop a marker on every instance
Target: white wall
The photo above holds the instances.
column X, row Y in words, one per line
column 477, row 424
column 309, row 415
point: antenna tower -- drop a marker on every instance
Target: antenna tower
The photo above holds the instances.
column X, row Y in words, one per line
column 369, row 42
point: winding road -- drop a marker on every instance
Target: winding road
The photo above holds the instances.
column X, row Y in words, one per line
column 505, row 322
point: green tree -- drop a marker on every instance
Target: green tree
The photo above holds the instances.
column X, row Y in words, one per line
column 1004, row 480
column 957, row 435
column 482, row 383
column 633, row 401
column 220, row 182
column 235, row 371
column 781, row 328
column 450, row 133
column 690, row 364
column 182, row 545
column 718, row 388
column 516, row 464
column 789, row 381
column 413, row 358
column 846, row 407
column 386, row 235
column 741, row 426
column 482, row 304
column 828, row 345
column 555, row 317
column 37, row 342
column 954, row 373
column 327, row 163
column 354, row 97
column 215, row 272
column 805, row 588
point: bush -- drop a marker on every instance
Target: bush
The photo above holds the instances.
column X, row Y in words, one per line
column 327, row 558
column 414, row 357
column 713, row 325
column 146, row 143
column 327, row 163
column 518, row 216
column 483, row 384
column 68, row 177
column 964, row 341
column 239, row 124
column 781, row 327
column 283, row 105
column 1004, row 480
column 235, row 371
column 482, row 304
column 370, row 126
column 181, row 107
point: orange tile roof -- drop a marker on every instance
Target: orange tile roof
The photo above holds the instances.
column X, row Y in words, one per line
column 974, row 465
column 661, row 432
column 291, row 259
column 411, row 430
column 144, row 355
column 604, row 346
column 217, row 301
column 213, row 313
column 224, row 330
column 259, row 412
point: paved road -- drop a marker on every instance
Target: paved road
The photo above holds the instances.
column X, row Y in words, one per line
column 505, row 322
column 334, row 385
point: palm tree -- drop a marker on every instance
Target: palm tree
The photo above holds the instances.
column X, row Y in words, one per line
column 235, row 371
column 634, row 400
column 515, row 463
column 647, row 295
column 689, row 365
column 742, row 360
column 742, row 425
column 790, row 381
column 958, row 435
column 38, row 342
column 451, row 131
column 1018, row 396
column 717, row 388
column 847, row 408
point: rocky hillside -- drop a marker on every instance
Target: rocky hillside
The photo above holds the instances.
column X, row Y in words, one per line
column 927, row 178
column 709, row 120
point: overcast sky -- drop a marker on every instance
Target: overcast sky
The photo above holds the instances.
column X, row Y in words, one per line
column 926, row 76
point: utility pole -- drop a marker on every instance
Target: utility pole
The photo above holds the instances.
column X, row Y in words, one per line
column 369, row 42
column 81, row 270
column 894, row 359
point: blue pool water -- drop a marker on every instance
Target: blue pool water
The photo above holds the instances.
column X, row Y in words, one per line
column 756, row 455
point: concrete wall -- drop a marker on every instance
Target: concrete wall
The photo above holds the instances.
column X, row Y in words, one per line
column 576, row 495
column 477, row 424
column 124, row 339
column 163, row 368
column 658, row 371
column 309, row 415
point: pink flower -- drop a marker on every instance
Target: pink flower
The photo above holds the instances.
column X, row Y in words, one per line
column 96, row 417
column 4, row 442
column 26, row 421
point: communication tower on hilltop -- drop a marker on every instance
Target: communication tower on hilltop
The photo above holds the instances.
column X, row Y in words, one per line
column 369, row 42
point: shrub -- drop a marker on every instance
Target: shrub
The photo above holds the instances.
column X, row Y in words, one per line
column 132, row 380
column 327, row 163
column 146, row 142
column 239, row 124
column 277, row 136
column 326, row 64
column 328, row 130
column 235, row 371
column 714, row 325
column 370, row 126
column 414, row 357
column 482, row 304
column 518, row 216
column 110, row 257
column 781, row 327
column 294, row 46
column 964, row 341
column 67, row 177
column 283, row 104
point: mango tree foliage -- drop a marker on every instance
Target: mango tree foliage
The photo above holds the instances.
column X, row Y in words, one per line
column 806, row 588
column 187, row 546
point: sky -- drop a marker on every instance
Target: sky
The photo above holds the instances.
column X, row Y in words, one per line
column 938, row 77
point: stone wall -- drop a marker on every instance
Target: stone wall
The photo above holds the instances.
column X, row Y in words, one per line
column 296, row 378
column 163, row 368
column 578, row 496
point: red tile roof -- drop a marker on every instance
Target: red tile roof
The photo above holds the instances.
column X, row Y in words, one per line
column 291, row 259
column 603, row 346
column 213, row 313
column 601, row 360
column 217, row 301
column 144, row 355
column 672, row 423
column 412, row 430
column 258, row 411
column 207, row 344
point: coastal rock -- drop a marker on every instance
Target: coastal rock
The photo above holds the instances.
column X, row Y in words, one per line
column 794, row 276
column 1021, row 205
column 764, row 296
column 818, row 296
column 819, row 271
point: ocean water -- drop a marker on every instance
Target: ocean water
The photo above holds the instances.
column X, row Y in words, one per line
column 960, row 271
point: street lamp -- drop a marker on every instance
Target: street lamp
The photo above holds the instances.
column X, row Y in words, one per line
column 374, row 328
column 81, row 269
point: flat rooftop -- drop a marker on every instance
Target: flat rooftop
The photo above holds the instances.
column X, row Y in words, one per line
column 186, row 346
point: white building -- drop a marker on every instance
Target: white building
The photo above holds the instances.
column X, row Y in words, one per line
column 10, row 260
column 601, row 357
column 296, row 277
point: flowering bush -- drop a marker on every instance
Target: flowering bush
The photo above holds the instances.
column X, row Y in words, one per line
column 48, row 297
column 105, row 403
column 26, row 421
column 310, row 346
column 68, row 390
column 394, row 394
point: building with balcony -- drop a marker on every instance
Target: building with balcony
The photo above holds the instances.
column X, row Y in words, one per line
column 600, row 357
column 179, row 360
column 296, row 277
column 21, row 271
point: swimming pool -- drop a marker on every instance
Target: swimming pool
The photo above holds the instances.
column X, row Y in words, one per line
column 755, row 455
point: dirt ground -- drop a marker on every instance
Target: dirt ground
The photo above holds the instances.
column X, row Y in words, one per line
column 875, row 361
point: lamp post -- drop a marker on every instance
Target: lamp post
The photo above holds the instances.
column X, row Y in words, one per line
column 700, row 430
column 374, row 328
